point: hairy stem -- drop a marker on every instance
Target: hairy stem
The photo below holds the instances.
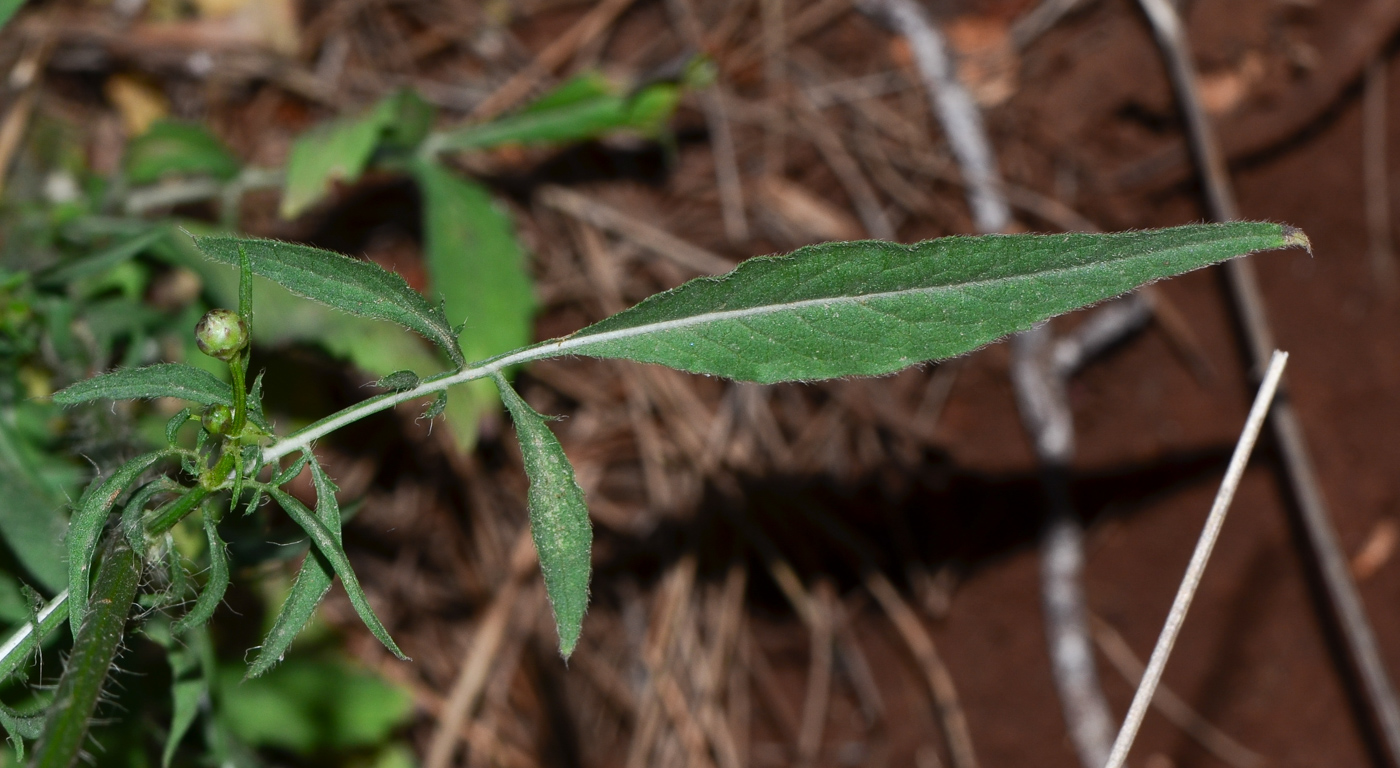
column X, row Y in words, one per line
column 93, row 653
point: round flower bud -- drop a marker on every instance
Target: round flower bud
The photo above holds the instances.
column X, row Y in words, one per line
column 218, row 419
column 221, row 333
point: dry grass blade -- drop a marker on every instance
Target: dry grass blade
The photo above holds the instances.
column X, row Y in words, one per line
column 476, row 664
column 814, row 706
column 555, row 54
column 1374, row 170
column 1147, row 689
column 940, row 680
column 1248, row 299
column 834, row 152
column 652, row 238
column 1172, row 706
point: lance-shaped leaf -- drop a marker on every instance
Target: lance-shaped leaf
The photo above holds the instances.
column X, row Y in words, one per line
column 85, row 528
column 869, row 308
column 311, row 585
column 161, row 380
column 20, row 726
column 477, row 268
column 176, row 147
column 349, row 285
column 587, row 107
column 30, row 522
column 328, row 545
column 217, row 583
column 558, row 518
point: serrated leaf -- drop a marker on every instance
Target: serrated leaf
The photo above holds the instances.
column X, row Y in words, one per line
column 328, row 545
column 349, row 285
column 161, row 380
column 869, row 308
column 175, row 147
column 558, row 519
column 584, row 108
column 85, row 528
column 216, row 585
column 477, row 269
column 312, row 583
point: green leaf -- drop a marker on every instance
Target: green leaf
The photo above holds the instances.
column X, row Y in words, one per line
column 7, row 10
column 558, row 519
column 328, row 544
column 349, row 285
column 20, row 726
column 30, row 520
column 337, row 151
column 477, row 268
column 161, row 380
column 24, row 640
column 398, row 381
column 188, row 688
column 584, row 108
column 869, row 308
column 217, row 583
column 312, row 583
column 311, row 704
column 174, row 147
column 340, row 150
column 103, row 260
column 85, row 528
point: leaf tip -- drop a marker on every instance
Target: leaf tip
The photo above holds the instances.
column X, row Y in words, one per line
column 1293, row 236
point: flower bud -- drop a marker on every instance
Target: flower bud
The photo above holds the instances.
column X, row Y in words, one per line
column 221, row 333
column 217, row 420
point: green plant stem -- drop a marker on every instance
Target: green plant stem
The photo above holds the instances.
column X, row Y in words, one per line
column 303, row 438
column 238, row 371
column 172, row 513
column 24, row 640
column 93, row 653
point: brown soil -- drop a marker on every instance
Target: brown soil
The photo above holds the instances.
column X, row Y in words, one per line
column 950, row 507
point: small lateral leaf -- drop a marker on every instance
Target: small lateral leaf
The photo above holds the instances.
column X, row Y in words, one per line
column 172, row 427
column 217, row 583
column 869, row 308
column 20, row 726
column 161, row 380
column 558, row 518
column 85, row 528
column 398, row 381
column 328, row 545
column 133, row 522
column 435, row 408
column 292, row 470
column 349, row 285
column 312, row 583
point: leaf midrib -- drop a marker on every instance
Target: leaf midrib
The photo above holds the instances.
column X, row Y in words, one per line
column 576, row 341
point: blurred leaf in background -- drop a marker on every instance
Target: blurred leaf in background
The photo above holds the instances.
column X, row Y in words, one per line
column 179, row 148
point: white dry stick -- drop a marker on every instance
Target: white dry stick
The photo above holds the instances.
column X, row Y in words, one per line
column 1148, row 688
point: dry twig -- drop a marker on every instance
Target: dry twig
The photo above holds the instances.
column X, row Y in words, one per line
column 1249, row 303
